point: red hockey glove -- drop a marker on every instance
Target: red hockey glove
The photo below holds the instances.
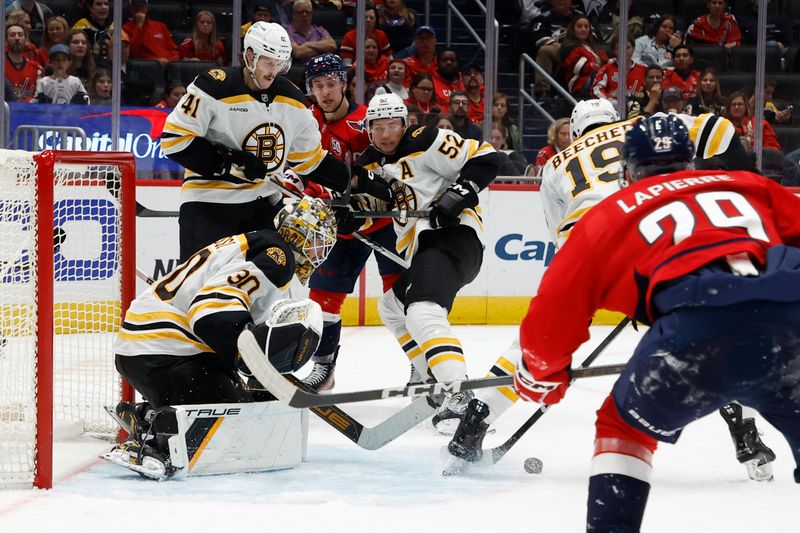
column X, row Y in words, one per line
column 548, row 390
column 292, row 182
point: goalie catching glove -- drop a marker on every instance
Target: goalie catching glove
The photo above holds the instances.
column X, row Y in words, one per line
column 458, row 196
column 290, row 335
column 548, row 389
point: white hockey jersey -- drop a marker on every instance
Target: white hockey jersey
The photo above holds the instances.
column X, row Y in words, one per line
column 236, row 278
column 275, row 125
column 588, row 170
column 427, row 162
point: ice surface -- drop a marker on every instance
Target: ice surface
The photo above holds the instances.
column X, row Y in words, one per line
column 698, row 485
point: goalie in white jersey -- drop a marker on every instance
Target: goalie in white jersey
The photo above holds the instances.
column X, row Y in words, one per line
column 586, row 172
column 429, row 168
column 177, row 345
column 233, row 130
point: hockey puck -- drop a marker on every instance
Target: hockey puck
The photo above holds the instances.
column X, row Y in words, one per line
column 533, row 465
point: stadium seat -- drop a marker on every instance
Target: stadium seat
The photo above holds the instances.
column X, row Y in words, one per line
column 653, row 7
column 175, row 16
column 710, row 56
column 785, row 86
column 689, row 10
column 333, row 20
column 788, row 136
column 186, row 71
column 739, row 81
column 146, row 73
column 223, row 13
column 743, row 59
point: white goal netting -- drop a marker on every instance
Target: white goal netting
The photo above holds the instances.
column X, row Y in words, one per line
column 83, row 293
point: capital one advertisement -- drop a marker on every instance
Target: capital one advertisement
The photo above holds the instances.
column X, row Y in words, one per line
column 140, row 130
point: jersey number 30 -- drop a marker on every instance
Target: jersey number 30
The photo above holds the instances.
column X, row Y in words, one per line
column 711, row 203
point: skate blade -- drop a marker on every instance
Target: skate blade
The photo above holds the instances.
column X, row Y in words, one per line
column 113, row 414
column 759, row 472
column 150, row 468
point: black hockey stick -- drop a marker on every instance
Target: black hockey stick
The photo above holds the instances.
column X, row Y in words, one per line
column 498, row 452
column 393, row 214
column 144, row 212
column 285, row 390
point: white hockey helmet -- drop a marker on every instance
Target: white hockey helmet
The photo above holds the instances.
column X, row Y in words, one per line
column 269, row 40
column 386, row 106
column 588, row 113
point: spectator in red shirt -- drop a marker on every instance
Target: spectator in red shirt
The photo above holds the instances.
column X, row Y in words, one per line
column 150, row 39
column 607, row 78
column 347, row 51
column 203, row 45
column 581, row 57
column 446, row 77
column 376, row 66
column 682, row 75
column 715, row 28
column 473, row 85
column 22, row 72
column 425, row 58
column 558, row 138
column 22, row 18
column 172, row 95
column 738, row 112
column 55, row 32
column 420, row 94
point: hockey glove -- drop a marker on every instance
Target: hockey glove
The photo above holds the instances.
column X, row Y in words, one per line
column 548, row 390
column 346, row 222
column 458, row 196
column 293, row 184
column 243, row 164
column 373, row 184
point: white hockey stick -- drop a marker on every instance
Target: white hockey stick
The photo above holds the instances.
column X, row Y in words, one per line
column 285, row 389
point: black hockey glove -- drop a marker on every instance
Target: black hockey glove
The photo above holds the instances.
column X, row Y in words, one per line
column 457, row 197
column 346, row 222
column 253, row 168
column 373, row 184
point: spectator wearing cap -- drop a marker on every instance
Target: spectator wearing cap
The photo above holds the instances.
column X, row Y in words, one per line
column 671, row 100
column 399, row 23
column 150, row 39
column 682, row 75
column 23, row 73
column 459, row 103
column 59, row 87
column 262, row 12
column 424, row 58
column 473, row 85
column 446, row 77
column 348, row 49
column 307, row 39
column 55, row 32
column 96, row 26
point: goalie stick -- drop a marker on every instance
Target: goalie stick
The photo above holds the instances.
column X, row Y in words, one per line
column 498, row 452
column 286, row 391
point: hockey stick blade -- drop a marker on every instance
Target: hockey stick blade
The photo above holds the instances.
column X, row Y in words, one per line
column 285, row 391
column 144, row 212
column 493, row 455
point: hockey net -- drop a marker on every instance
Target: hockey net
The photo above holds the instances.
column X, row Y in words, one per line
column 66, row 276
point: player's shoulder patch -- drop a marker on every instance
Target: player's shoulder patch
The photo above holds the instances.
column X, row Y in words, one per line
column 277, row 255
column 221, row 82
column 270, row 253
column 417, row 139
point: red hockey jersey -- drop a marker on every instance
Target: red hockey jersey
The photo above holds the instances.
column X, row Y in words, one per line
column 727, row 32
column 655, row 230
column 345, row 138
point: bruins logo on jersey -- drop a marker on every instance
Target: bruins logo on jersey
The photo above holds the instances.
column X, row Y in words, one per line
column 404, row 199
column 268, row 143
column 217, row 73
column 277, row 255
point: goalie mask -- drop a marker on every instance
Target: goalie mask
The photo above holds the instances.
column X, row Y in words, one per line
column 309, row 226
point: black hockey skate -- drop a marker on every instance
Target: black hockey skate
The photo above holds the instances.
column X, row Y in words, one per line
column 468, row 439
column 142, row 459
column 449, row 415
column 134, row 418
column 321, row 376
column 750, row 449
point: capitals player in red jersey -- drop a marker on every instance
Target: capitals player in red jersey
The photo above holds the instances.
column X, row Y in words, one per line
column 344, row 135
column 708, row 260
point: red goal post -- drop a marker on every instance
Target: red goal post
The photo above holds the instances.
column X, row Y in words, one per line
column 67, row 274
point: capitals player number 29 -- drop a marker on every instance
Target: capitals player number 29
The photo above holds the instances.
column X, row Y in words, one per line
column 600, row 158
column 652, row 226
